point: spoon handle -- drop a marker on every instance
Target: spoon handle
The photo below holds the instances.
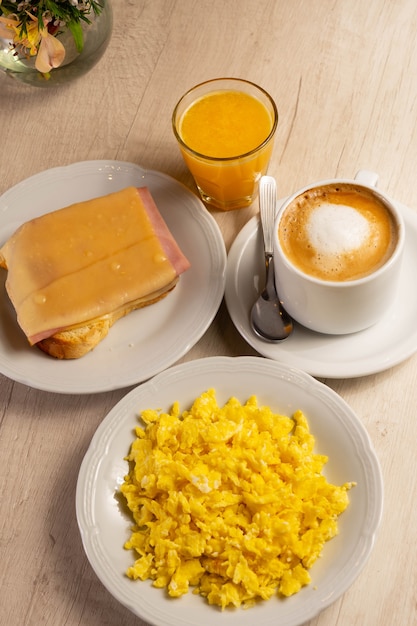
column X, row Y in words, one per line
column 267, row 208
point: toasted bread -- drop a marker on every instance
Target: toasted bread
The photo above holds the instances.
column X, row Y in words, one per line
column 74, row 343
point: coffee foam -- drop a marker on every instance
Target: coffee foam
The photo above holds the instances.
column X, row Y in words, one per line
column 337, row 232
column 336, row 229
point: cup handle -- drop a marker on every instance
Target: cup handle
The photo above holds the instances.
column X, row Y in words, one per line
column 367, row 177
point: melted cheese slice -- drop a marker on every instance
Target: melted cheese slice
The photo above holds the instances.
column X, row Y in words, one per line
column 77, row 264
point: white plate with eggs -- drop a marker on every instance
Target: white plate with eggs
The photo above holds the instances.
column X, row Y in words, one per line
column 105, row 524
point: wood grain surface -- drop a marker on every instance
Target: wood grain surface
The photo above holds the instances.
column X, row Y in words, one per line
column 343, row 74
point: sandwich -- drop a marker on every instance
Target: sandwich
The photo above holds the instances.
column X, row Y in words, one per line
column 72, row 273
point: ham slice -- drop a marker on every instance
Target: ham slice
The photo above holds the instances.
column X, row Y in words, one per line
column 170, row 246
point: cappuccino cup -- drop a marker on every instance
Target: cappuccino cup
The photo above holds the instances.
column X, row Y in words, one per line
column 338, row 250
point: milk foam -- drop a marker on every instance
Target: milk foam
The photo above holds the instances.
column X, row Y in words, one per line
column 336, row 229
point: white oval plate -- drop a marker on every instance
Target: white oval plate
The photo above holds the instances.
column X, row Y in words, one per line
column 389, row 342
column 105, row 526
column 146, row 341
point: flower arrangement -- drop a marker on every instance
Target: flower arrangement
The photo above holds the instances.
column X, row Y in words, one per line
column 32, row 26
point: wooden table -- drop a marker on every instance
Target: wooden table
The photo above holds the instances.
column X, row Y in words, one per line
column 343, row 76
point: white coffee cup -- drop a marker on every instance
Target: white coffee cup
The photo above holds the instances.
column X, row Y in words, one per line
column 324, row 299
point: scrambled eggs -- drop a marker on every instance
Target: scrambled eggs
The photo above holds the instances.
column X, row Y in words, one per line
column 230, row 500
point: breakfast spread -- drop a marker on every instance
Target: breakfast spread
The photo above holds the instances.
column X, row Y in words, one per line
column 230, row 500
column 75, row 271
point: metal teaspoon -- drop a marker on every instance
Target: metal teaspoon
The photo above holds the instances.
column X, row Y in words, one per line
column 268, row 317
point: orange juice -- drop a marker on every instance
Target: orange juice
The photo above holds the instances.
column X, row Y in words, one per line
column 225, row 124
column 225, row 136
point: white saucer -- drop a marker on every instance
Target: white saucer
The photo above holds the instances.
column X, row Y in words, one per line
column 389, row 342
column 148, row 340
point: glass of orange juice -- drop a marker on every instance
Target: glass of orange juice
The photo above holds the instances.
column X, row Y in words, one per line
column 225, row 130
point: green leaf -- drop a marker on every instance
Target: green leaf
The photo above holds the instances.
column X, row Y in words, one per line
column 77, row 33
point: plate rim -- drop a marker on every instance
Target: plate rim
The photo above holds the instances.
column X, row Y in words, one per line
column 207, row 227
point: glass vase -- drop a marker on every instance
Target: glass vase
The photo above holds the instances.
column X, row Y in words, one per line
column 96, row 38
